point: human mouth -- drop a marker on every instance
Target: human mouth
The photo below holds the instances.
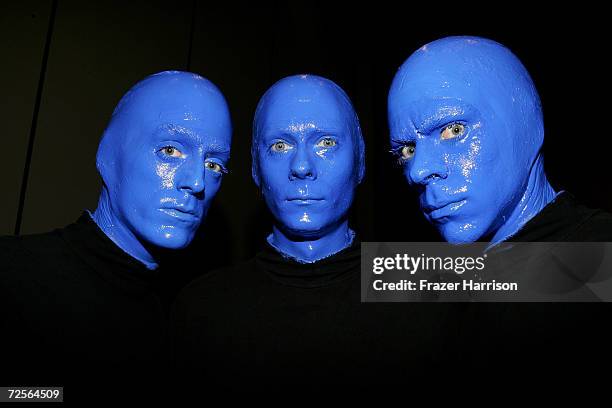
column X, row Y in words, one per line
column 304, row 200
column 181, row 213
column 442, row 211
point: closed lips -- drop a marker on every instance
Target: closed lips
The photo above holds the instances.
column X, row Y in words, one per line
column 179, row 212
column 444, row 210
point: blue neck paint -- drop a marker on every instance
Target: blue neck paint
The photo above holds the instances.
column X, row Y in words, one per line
column 308, row 158
column 466, row 125
column 161, row 159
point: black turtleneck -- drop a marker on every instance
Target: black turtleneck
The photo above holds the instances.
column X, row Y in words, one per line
column 274, row 319
column 566, row 220
column 76, row 307
column 559, row 338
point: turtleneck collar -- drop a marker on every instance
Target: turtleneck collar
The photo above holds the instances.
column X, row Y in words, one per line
column 328, row 271
column 112, row 263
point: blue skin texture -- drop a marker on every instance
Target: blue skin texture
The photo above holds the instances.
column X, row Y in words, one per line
column 466, row 126
column 308, row 159
column 162, row 158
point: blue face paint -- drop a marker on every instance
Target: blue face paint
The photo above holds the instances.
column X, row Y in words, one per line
column 466, row 125
column 308, row 158
column 161, row 159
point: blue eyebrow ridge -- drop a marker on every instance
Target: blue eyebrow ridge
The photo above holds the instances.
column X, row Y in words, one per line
column 442, row 115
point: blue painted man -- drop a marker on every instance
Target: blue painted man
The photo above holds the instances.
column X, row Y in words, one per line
column 294, row 312
column 87, row 292
column 466, row 125
column 162, row 158
column 308, row 158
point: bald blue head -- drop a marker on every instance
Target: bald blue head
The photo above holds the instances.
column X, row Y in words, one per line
column 303, row 98
column 466, row 124
column 161, row 159
column 308, row 158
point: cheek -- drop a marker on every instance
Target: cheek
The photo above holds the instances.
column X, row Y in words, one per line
column 469, row 161
column 138, row 182
column 466, row 159
column 339, row 183
column 212, row 184
column 166, row 174
column 274, row 179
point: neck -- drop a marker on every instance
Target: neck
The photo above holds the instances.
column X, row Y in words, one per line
column 119, row 233
column 537, row 195
column 312, row 250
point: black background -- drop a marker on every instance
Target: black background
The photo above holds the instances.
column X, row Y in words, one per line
column 67, row 63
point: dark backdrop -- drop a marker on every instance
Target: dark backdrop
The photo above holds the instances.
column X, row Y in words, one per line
column 66, row 63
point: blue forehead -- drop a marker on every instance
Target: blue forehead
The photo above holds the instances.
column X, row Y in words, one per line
column 174, row 102
column 193, row 136
column 470, row 74
column 476, row 70
column 303, row 104
column 422, row 117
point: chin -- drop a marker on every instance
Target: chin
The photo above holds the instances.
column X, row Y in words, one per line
column 302, row 229
column 314, row 229
column 455, row 240
column 173, row 240
column 454, row 234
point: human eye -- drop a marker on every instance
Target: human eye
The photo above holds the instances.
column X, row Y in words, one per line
column 404, row 152
column 214, row 166
column 170, row 151
column 280, row 146
column 326, row 142
column 452, row 131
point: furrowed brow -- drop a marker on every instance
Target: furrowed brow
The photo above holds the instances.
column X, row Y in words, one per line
column 441, row 116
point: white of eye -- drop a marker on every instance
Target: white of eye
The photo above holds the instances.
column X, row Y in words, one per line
column 171, row 151
column 452, row 131
column 216, row 167
column 407, row 152
column 280, row 146
column 327, row 143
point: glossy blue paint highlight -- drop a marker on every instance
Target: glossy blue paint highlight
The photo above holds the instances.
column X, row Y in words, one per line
column 162, row 159
column 308, row 158
column 466, row 125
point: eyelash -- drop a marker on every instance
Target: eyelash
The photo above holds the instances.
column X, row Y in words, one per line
column 331, row 139
column 396, row 152
column 289, row 146
column 223, row 170
column 453, row 123
column 162, row 149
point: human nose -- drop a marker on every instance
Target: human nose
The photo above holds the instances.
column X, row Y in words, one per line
column 191, row 176
column 302, row 166
column 427, row 165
